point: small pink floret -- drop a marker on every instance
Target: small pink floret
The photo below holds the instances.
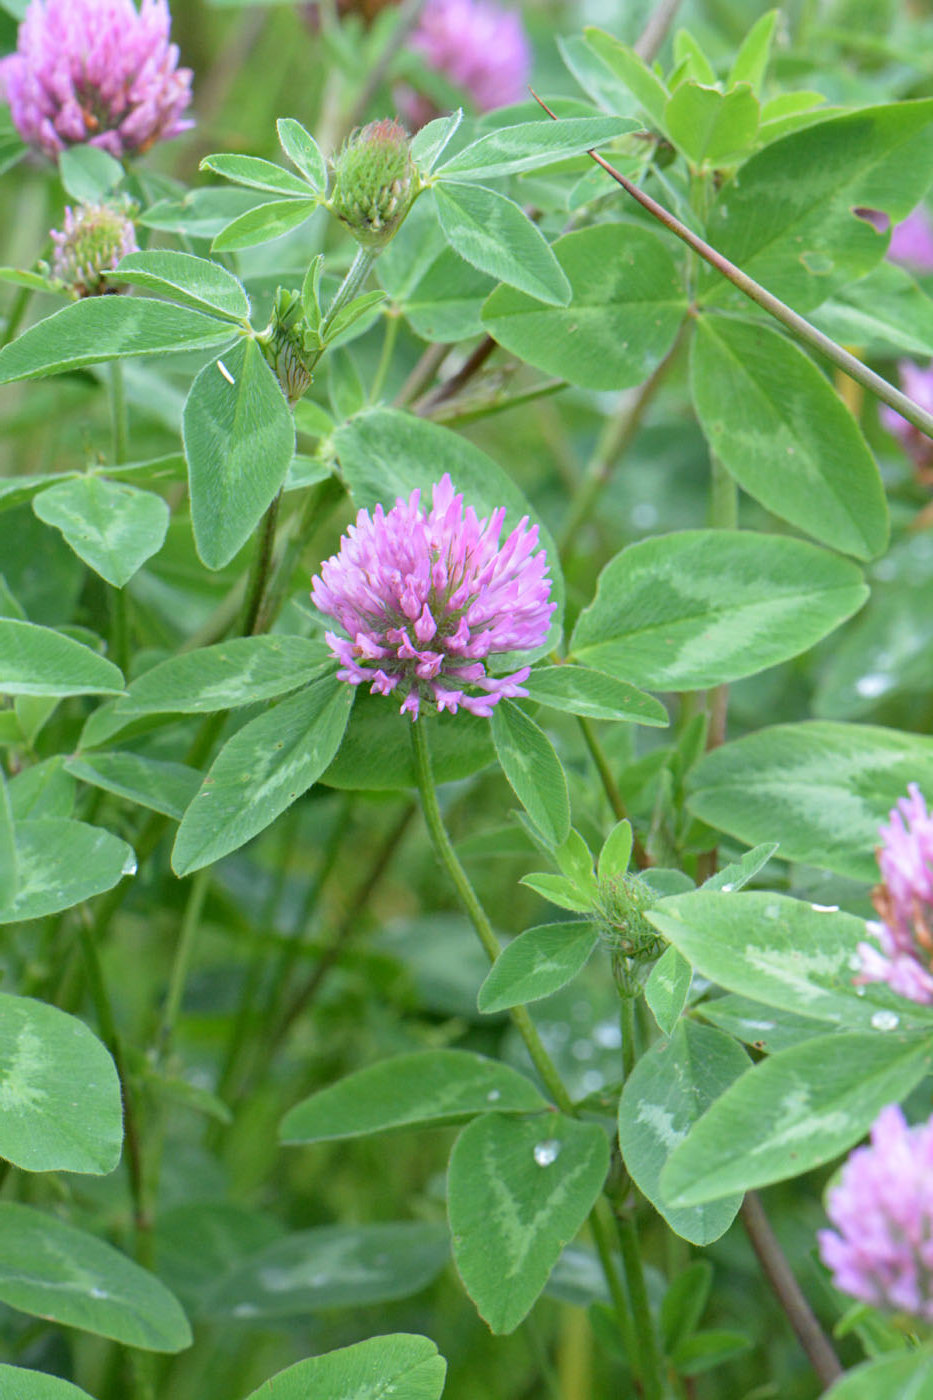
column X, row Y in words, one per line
column 904, row 899
column 881, row 1250
column 98, row 72
column 423, row 599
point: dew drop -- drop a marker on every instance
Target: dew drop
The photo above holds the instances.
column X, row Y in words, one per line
column 727, row 888
column 99, row 1293
column 772, row 911
column 885, row 1020
column 860, row 991
column 129, row 865
column 547, row 1152
column 825, row 908
column 494, row 1096
column 873, row 685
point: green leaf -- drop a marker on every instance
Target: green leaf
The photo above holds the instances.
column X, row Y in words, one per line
column 530, row 145
column 782, row 952
column 885, row 311
column 627, row 305
column 303, row 152
column 694, row 609
column 667, row 989
column 428, row 144
column 762, row 1027
column 161, row 786
column 262, row 224
column 196, row 282
column 96, row 329
column 908, row 1376
column 793, row 1112
column 61, row 863
column 200, row 213
column 446, row 303
column 42, row 790
column 668, row 1090
column 751, row 62
column 40, row 661
column 704, row 1350
column 257, row 174
column 533, row 770
column 788, row 217
column 737, row 875
column 51, row 1270
column 823, row 788
column 582, row 691
column 261, row 771
column 89, row 174
column 641, row 81
column 429, row 1088
column 785, row 435
column 518, row 1190
column 9, row 873
column 711, row 127
column 16, row 1383
column 616, row 851
column 540, row 961
column 685, row 1303
column 334, row 1266
column 560, row 890
column 376, row 755
column 384, row 454
column 239, row 440
column 114, row 528
column 62, row 1108
column 491, row 232
column 241, row 671
column 401, row 1364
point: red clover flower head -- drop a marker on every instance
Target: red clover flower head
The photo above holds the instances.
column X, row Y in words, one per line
column 904, row 902
column 425, row 598
column 99, row 72
column 94, row 239
column 479, row 47
column 882, row 1209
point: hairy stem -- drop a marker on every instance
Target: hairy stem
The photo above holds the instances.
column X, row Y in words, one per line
column 798, row 325
column 260, row 569
column 611, row 788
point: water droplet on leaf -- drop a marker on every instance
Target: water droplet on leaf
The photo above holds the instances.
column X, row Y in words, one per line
column 547, row 1152
column 885, row 1020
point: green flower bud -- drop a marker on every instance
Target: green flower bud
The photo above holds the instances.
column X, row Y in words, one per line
column 374, row 182
column 290, row 345
column 634, row 943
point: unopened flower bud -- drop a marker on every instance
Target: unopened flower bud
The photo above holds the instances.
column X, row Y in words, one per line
column 633, row 942
column 374, row 182
column 290, row 346
column 92, row 243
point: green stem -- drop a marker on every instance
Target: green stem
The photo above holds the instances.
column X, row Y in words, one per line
column 472, row 410
column 103, row 1006
column 477, row 914
column 602, row 1233
column 318, row 499
column 17, row 312
column 393, row 321
column 118, row 419
column 259, row 570
column 798, row 325
column 181, row 966
column 359, row 270
column 611, row 787
column 652, row 1368
column 627, row 1027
